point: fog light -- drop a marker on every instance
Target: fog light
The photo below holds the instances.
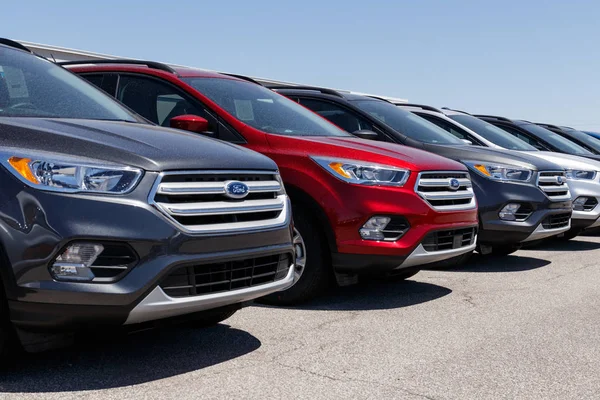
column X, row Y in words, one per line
column 74, row 263
column 508, row 212
column 373, row 228
column 578, row 203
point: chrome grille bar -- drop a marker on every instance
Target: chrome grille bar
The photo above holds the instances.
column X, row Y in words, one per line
column 446, row 190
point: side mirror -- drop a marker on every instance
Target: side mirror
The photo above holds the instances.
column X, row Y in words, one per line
column 466, row 141
column 366, row 134
column 188, row 122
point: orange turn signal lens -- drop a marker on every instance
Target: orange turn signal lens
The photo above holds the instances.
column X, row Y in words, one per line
column 21, row 165
column 337, row 167
column 481, row 168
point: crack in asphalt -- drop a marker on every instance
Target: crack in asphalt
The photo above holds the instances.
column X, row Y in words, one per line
column 346, row 380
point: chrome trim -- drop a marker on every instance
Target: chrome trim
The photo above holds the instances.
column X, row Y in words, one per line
column 442, row 182
column 169, row 210
column 223, row 207
column 158, row 305
column 189, row 188
column 541, row 233
column 547, row 190
column 458, row 194
column 420, row 256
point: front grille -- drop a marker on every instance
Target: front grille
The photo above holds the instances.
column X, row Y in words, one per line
column 554, row 185
column 556, row 221
column 450, row 239
column 199, row 202
column 437, row 190
column 197, row 280
column 524, row 211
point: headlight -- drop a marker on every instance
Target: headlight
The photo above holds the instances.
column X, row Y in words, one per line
column 71, row 177
column 363, row 173
column 500, row 172
column 579, row 174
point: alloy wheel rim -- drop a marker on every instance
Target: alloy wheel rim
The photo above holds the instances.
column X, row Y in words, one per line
column 300, row 250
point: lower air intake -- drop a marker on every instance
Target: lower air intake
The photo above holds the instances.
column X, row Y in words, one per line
column 197, row 280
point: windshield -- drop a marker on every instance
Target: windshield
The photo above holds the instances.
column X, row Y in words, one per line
column 34, row 87
column 264, row 109
column 407, row 123
column 492, row 133
column 562, row 144
column 588, row 140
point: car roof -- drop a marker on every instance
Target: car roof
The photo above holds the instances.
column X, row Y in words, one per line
column 144, row 66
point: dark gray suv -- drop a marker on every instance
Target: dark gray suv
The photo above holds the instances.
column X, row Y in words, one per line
column 108, row 220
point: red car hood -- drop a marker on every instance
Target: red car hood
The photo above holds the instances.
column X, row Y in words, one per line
column 370, row 150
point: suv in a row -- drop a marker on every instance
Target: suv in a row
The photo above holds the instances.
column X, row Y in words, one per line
column 521, row 198
column 582, row 173
column 359, row 206
column 109, row 220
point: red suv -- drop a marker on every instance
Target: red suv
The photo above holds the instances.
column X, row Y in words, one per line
column 360, row 206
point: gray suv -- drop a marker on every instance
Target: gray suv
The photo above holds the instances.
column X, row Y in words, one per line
column 108, row 220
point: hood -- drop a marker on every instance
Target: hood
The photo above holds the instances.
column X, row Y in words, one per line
column 374, row 151
column 568, row 161
column 148, row 147
column 500, row 156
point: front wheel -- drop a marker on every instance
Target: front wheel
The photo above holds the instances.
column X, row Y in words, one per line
column 502, row 250
column 452, row 262
column 313, row 272
column 570, row 234
column 210, row 318
column 402, row 275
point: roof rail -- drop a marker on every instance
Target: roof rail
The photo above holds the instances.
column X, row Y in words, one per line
column 16, row 45
column 380, row 98
column 242, row 77
column 421, row 106
column 312, row 88
column 568, row 127
column 548, row 126
column 453, row 109
column 149, row 64
column 492, row 117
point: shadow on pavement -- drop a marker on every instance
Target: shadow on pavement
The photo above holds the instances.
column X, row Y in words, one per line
column 562, row 245
column 510, row 263
column 374, row 295
column 125, row 360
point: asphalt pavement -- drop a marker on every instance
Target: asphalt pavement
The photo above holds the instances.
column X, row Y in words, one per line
column 524, row 326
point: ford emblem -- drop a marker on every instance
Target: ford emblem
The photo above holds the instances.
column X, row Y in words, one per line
column 236, row 189
column 559, row 180
column 454, row 184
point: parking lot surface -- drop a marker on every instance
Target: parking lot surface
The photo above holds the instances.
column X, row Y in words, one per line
column 524, row 326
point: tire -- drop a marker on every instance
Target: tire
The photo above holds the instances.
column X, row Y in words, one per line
column 210, row 318
column 315, row 277
column 451, row 262
column 505, row 250
column 570, row 234
column 403, row 275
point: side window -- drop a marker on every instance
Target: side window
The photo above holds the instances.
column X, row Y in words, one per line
column 155, row 100
column 106, row 82
column 337, row 115
column 449, row 127
column 526, row 138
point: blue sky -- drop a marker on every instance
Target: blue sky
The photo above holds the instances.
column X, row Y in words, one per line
column 536, row 60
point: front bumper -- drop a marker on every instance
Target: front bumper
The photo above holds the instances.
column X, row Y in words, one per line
column 492, row 196
column 584, row 188
column 38, row 225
